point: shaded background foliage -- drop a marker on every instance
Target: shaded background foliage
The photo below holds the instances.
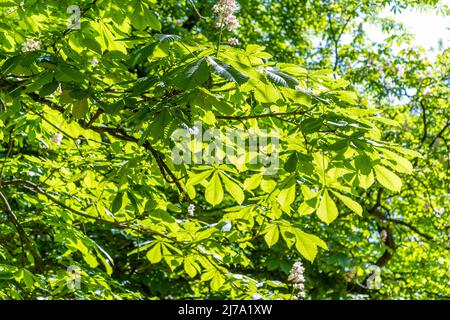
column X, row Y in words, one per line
column 401, row 241
column 311, row 33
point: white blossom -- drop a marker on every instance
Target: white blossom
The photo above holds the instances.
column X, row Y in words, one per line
column 31, row 45
column 194, row 130
column 297, row 278
column 348, row 64
column 225, row 10
column 233, row 42
column 428, row 72
column 383, row 235
column 400, row 70
column 226, row 227
column 389, row 84
column 421, row 78
column 191, row 209
column 257, row 296
column 57, row 138
column 93, row 62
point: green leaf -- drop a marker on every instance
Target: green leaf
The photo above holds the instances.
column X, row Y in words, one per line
column 311, row 125
column 190, row 266
column 316, row 240
column 280, row 79
column 305, row 246
column 287, row 195
column 167, row 37
column 233, row 188
column 80, row 108
column 366, row 181
column 272, row 235
column 214, row 190
column 291, row 163
column 401, row 165
column 226, row 71
column 265, row 92
column 153, row 21
column 350, row 203
column 387, row 178
column 117, row 202
column 327, row 210
column 198, row 177
column 143, row 17
column 154, row 255
column 66, row 73
column 48, row 89
column 347, row 96
column 90, row 259
column 217, row 281
column 253, row 182
column 305, row 209
column 192, row 75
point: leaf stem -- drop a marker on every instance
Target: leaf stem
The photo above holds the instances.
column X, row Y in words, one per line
column 220, row 38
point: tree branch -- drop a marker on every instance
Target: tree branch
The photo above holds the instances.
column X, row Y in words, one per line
column 39, row 263
column 124, row 225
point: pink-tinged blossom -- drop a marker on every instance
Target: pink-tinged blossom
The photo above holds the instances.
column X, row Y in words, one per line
column 421, row 78
column 389, row 84
column 225, row 9
column 400, row 70
column 233, row 42
column 57, row 138
column 31, row 45
column 191, row 209
column 297, row 278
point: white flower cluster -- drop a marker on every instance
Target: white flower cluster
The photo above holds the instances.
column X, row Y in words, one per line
column 297, row 278
column 226, row 9
column 31, row 45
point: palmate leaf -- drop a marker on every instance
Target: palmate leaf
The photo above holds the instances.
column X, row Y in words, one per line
column 143, row 17
column 214, row 190
column 280, row 78
column 350, row 203
column 167, row 37
column 287, row 195
column 233, row 188
column 327, row 210
column 272, row 235
column 226, row 71
column 191, row 75
column 387, row 178
column 306, row 244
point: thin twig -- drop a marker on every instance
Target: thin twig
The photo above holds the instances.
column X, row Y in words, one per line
column 23, row 236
